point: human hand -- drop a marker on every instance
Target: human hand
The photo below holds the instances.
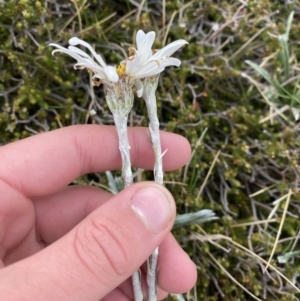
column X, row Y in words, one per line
column 68, row 243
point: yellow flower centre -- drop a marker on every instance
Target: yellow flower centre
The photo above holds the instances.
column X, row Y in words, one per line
column 121, row 69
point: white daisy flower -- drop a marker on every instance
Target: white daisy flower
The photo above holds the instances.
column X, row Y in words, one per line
column 102, row 71
column 144, row 63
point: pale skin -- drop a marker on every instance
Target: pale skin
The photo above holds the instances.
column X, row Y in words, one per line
column 74, row 243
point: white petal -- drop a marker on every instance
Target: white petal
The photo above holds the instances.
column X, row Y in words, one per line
column 139, row 88
column 85, row 57
column 59, row 48
column 152, row 72
column 147, row 41
column 79, row 67
column 139, row 93
column 145, row 48
column 56, row 45
column 133, row 65
column 149, row 69
column 139, row 38
column 167, row 61
column 94, row 67
column 78, row 51
column 67, row 51
column 99, row 73
column 111, row 73
column 171, row 61
column 75, row 41
column 169, row 49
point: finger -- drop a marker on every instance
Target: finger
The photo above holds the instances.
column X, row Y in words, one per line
column 116, row 294
column 98, row 254
column 58, row 213
column 16, row 222
column 56, row 158
column 161, row 295
column 177, row 272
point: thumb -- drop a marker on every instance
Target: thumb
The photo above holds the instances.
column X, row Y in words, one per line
column 99, row 253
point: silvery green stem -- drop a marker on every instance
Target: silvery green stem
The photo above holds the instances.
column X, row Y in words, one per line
column 152, row 269
column 124, row 147
column 150, row 85
column 121, row 125
column 119, row 97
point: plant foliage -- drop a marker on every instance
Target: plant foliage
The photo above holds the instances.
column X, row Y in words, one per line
column 235, row 98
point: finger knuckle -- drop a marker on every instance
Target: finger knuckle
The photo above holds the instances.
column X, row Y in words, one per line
column 101, row 247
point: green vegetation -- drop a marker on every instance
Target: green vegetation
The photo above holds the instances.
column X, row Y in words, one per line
column 235, row 98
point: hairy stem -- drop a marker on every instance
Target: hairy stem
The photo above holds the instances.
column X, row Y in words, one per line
column 121, row 125
column 152, row 270
column 150, row 85
column 124, row 147
column 119, row 97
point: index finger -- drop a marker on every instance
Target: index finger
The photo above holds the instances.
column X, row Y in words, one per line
column 47, row 162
